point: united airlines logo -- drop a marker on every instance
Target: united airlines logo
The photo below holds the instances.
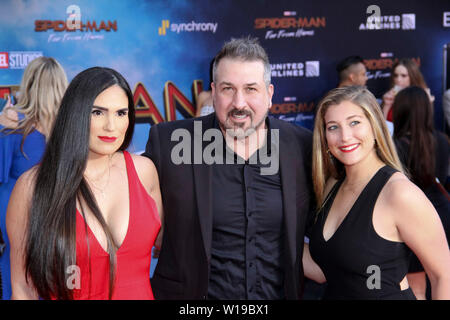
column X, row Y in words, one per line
column 376, row 21
column 408, row 21
column 295, row 69
column 192, row 26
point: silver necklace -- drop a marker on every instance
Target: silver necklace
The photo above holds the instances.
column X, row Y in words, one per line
column 102, row 189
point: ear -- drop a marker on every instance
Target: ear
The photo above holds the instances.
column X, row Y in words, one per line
column 351, row 76
column 270, row 90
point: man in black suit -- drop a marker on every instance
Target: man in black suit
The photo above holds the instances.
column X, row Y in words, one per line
column 236, row 189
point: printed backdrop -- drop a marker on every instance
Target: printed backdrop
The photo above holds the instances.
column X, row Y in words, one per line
column 164, row 48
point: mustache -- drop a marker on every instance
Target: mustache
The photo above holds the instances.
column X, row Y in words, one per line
column 239, row 112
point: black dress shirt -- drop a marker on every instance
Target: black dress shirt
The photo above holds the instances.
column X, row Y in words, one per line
column 247, row 239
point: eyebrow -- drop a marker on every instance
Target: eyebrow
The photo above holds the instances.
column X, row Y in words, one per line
column 230, row 84
column 106, row 109
column 348, row 118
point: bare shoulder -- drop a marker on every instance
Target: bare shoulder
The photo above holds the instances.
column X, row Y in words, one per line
column 399, row 187
column 146, row 170
column 403, row 196
column 141, row 162
column 9, row 118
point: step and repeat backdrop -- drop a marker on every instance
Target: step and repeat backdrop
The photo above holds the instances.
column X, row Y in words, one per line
column 164, row 48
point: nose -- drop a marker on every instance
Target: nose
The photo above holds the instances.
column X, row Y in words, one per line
column 109, row 124
column 239, row 100
column 345, row 134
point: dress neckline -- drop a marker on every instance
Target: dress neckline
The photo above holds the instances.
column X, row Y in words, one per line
column 129, row 215
column 336, row 190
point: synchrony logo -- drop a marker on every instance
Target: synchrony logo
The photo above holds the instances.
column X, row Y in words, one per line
column 187, row 27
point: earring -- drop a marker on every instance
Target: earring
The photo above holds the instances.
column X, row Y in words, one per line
column 330, row 155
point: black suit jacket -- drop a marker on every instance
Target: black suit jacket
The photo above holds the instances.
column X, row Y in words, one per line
column 182, row 271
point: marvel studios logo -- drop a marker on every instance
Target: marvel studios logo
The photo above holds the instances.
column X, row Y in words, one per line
column 18, row 59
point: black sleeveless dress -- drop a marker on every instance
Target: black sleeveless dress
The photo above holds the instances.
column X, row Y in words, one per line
column 357, row 262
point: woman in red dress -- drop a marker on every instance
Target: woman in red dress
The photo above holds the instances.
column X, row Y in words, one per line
column 93, row 211
column 405, row 73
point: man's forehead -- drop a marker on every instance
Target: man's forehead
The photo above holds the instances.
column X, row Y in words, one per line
column 239, row 61
column 250, row 69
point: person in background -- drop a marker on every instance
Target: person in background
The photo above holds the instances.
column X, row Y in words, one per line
column 352, row 71
column 405, row 73
column 204, row 99
column 24, row 129
column 90, row 211
column 370, row 215
column 446, row 110
column 424, row 153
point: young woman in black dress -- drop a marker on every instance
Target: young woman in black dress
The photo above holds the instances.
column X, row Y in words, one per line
column 371, row 216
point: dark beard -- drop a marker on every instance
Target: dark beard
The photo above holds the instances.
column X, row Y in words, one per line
column 232, row 130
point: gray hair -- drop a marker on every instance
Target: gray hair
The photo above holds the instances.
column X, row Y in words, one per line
column 245, row 49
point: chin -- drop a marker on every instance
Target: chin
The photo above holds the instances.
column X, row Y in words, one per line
column 347, row 161
column 106, row 151
column 236, row 133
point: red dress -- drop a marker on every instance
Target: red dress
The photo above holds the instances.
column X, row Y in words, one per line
column 132, row 280
column 390, row 116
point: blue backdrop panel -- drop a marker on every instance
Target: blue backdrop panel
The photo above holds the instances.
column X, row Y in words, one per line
column 156, row 42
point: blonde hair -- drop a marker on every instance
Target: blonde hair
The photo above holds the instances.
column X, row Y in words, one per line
column 41, row 90
column 323, row 166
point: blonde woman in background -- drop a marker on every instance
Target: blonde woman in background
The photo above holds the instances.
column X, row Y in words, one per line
column 24, row 129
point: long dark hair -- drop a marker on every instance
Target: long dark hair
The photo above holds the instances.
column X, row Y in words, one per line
column 415, row 76
column 51, row 244
column 413, row 122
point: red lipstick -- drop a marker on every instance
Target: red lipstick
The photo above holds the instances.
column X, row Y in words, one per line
column 349, row 148
column 107, row 139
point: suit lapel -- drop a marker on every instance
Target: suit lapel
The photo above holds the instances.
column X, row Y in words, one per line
column 203, row 193
column 288, row 173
